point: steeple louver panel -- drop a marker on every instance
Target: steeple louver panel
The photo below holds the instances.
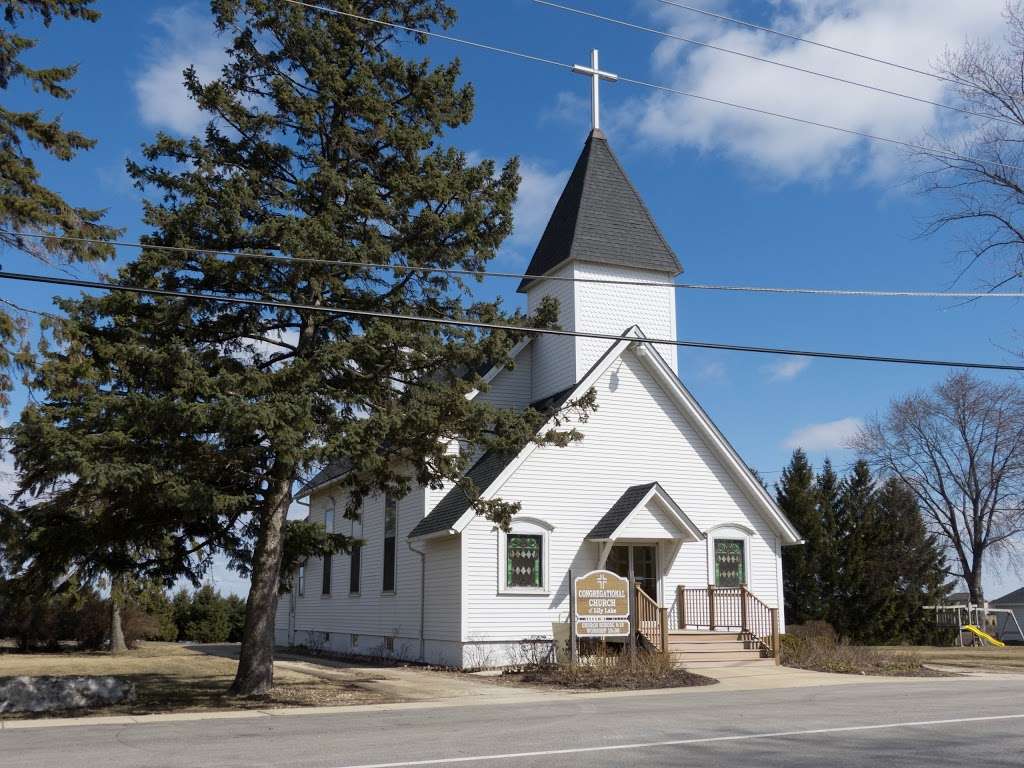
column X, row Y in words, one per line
column 600, row 218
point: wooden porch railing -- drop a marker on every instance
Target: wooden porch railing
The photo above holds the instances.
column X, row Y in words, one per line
column 651, row 620
column 730, row 608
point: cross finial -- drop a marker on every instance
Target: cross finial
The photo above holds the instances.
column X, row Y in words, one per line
column 594, row 72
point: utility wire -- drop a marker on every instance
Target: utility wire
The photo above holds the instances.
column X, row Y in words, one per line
column 430, row 33
column 780, row 33
column 483, row 273
column 768, row 113
column 774, row 62
column 345, row 311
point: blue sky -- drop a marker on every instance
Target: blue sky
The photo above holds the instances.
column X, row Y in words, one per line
column 743, row 199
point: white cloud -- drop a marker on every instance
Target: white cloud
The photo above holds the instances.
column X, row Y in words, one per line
column 713, row 370
column 913, row 32
column 825, row 436
column 787, row 370
column 538, row 193
column 186, row 38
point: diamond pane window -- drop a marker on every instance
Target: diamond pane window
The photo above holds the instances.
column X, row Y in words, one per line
column 524, row 561
column 729, row 563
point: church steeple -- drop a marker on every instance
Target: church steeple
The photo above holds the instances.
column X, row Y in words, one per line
column 601, row 218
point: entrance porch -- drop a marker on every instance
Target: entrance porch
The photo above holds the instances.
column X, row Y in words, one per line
column 642, row 539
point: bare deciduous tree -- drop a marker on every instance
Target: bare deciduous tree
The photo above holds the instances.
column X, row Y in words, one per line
column 960, row 448
column 978, row 167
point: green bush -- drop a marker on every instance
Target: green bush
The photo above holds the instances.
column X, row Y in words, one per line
column 208, row 620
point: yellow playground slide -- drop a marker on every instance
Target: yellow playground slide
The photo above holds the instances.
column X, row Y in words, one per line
column 983, row 635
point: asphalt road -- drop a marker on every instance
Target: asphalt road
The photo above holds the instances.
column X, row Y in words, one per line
column 954, row 722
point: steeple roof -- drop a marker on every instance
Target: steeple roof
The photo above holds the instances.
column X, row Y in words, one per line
column 601, row 218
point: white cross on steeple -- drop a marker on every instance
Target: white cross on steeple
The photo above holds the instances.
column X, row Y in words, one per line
column 594, row 72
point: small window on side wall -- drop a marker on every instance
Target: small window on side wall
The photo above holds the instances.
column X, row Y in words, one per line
column 354, row 568
column 390, row 529
column 302, row 580
column 326, row 590
column 524, row 561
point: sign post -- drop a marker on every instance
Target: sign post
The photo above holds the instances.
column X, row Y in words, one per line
column 572, row 626
column 600, row 606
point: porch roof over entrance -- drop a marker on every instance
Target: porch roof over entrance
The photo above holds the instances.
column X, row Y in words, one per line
column 645, row 511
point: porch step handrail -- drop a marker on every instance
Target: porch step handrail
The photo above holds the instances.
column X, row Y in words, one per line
column 726, row 608
column 651, row 620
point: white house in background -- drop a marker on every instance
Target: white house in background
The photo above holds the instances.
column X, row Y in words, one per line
column 654, row 490
column 1013, row 601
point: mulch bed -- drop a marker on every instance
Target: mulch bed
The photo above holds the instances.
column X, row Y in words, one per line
column 597, row 678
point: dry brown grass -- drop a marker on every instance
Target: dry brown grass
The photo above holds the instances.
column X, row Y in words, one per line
column 984, row 658
column 174, row 678
column 815, row 646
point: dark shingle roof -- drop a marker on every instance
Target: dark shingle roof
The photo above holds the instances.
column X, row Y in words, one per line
column 601, row 218
column 1013, row 598
column 484, row 472
column 448, row 511
column 332, row 471
column 619, row 511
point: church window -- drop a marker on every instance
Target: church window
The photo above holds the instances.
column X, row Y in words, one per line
column 524, row 565
column 729, row 563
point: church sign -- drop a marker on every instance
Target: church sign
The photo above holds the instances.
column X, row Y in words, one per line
column 602, row 627
column 601, row 603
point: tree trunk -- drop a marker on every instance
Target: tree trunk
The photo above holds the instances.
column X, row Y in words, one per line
column 255, row 673
column 117, row 643
column 974, row 583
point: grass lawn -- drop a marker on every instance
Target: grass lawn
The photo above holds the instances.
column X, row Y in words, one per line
column 984, row 658
column 173, row 678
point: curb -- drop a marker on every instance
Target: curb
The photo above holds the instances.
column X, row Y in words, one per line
column 727, row 686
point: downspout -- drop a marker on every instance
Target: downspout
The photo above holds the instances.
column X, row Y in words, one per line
column 423, row 592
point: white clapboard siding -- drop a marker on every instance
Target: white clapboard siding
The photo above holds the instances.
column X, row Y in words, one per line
column 638, row 435
column 512, row 388
column 372, row 614
column 613, row 308
column 651, row 522
column 281, row 615
column 554, row 366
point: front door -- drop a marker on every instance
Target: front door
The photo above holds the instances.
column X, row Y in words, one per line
column 639, row 561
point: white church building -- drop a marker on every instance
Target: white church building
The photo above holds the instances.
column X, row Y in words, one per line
column 653, row 491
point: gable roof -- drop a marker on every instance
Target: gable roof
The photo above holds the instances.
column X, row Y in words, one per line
column 629, row 502
column 1013, row 598
column 600, row 217
column 339, row 467
column 456, row 505
column 452, row 507
column 731, row 460
column 331, row 472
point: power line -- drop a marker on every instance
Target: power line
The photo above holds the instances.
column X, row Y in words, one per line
column 430, row 33
column 780, row 33
column 768, row 113
column 774, row 62
column 483, row 273
column 345, row 311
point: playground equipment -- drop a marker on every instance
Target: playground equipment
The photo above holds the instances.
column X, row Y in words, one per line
column 979, row 622
column 982, row 634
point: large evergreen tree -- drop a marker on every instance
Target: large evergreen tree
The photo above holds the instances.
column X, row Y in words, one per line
column 190, row 422
column 868, row 564
column 861, row 588
column 795, row 494
column 914, row 565
column 26, row 204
